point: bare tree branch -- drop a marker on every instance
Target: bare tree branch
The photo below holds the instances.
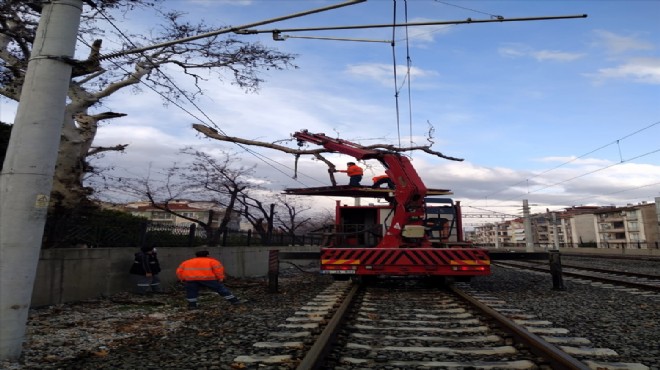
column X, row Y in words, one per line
column 214, row 134
column 100, row 149
column 224, row 58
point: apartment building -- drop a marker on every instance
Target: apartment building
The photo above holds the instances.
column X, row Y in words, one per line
column 632, row 226
column 577, row 226
column 204, row 211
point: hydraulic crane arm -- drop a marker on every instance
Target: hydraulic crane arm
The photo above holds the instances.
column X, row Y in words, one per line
column 336, row 145
column 406, row 227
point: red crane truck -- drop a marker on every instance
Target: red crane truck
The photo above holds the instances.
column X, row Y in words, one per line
column 415, row 233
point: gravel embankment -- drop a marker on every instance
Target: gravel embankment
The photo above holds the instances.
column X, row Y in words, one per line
column 625, row 322
column 131, row 332
column 159, row 332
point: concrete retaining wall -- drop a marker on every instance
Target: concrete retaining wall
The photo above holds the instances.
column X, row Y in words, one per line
column 66, row 275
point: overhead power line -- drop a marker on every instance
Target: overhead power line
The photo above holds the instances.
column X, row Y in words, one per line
column 245, row 31
column 228, row 30
column 617, row 141
column 265, row 159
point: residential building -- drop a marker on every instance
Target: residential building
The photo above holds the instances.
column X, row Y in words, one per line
column 203, row 211
column 632, row 226
column 577, row 225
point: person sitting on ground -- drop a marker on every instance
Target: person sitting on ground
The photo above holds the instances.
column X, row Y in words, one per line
column 203, row 271
column 354, row 172
column 382, row 179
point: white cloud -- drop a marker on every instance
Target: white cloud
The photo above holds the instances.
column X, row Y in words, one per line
column 513, row 51
column 420, row 36
column 523, row 51
column 573, row 160
column 617, row 44
column 558, row 56
column 641, row 70
column 383, row 73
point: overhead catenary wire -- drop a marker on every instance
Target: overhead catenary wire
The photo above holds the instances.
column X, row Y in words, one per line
column 406, row 24
column 244, row 31
column 493, row 16
column 265, row 159
column 137, row 50
column 396, row 89
column 599, row 169
column 409, row 76
column 617, row 192
column 591, row 172
column 621, row 161
column 406, row 78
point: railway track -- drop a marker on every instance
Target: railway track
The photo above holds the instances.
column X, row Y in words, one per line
column 612, row 256
column 405, row 325
column 643, row 282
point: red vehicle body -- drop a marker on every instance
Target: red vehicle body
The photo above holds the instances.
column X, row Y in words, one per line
column 414, row 233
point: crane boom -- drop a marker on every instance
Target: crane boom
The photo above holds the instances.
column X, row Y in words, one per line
column 406, row 228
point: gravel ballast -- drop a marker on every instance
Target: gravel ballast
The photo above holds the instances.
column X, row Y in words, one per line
column 158, row 332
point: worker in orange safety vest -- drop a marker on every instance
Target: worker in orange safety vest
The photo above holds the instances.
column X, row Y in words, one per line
column 354, row 172
column 380, row 180
column 203, row 271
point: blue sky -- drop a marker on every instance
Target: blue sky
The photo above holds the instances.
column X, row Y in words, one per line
column 560, row 112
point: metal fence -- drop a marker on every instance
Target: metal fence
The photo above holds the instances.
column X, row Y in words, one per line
column 63, row 233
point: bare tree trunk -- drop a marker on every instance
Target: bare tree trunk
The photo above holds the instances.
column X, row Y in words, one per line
column 68, row 191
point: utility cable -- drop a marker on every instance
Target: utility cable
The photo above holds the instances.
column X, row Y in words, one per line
column 493, row 16
column 598, row 170
column 408, row 70
column 396, row 88
column 579, row 200
column 575, row 159
column 259, row 156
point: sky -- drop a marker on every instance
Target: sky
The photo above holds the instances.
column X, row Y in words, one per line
column 562, row 112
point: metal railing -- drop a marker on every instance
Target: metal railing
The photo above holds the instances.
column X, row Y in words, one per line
column 63, row 233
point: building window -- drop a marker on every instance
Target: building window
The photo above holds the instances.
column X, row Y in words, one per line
column 160, row 215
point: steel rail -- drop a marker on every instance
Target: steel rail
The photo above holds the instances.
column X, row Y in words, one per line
column 643, row 257
column 606, row 271
column 559, row 359
column 603, row 279
column 321, row 346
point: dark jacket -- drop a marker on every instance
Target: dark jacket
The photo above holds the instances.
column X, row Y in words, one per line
column 145, row 263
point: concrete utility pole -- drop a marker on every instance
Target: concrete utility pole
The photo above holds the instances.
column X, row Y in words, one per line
column 27, row 176
column 527, row 221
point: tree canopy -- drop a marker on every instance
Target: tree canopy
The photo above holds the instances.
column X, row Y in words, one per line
column 225, row 57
